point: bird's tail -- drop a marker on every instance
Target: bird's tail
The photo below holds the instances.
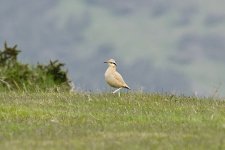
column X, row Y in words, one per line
column 127, row 87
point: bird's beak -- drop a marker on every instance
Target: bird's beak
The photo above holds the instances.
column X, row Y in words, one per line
column 105, row 62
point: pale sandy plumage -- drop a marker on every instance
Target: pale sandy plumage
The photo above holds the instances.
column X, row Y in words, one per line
column 113, row 78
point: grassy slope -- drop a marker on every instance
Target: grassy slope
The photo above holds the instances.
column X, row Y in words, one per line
column 105, row 121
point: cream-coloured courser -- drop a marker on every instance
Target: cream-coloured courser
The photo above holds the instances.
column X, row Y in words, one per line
column 113, row 78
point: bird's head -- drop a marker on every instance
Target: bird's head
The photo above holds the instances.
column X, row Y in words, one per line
column 111, row 63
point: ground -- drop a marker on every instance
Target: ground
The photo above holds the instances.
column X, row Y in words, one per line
column 105, row 121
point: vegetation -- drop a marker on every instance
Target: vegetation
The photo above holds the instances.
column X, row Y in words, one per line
column 17, row 76
column 106, row 121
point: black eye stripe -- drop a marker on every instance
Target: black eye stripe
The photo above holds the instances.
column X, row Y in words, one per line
column 112, row 63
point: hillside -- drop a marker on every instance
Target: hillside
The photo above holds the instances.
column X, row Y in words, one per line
column 105, row 121
column 160, row 46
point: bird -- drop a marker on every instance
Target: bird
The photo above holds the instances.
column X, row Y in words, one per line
column 113, row 78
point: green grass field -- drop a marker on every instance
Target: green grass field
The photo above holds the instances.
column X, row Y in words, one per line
column 105, row 121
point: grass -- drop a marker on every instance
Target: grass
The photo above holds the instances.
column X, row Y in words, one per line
column 105, row 121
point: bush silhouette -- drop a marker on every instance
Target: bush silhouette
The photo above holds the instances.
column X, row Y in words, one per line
column 17, row 76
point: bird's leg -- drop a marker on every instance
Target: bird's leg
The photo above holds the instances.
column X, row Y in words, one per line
column 116, row 90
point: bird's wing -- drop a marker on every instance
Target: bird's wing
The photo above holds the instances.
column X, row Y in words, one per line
column 119, row 79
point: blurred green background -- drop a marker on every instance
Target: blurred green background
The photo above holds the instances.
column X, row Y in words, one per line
column 163, row 46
